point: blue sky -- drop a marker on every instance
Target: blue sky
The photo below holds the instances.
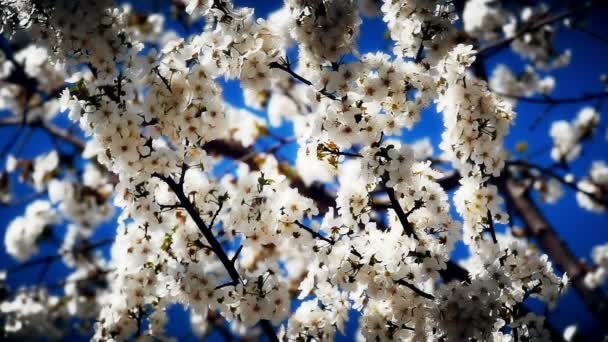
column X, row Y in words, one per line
column 580, row 229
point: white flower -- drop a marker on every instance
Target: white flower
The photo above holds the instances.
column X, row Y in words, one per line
column 326, row 30
column 483, row 18
column 570, row 332
column 551, row 190
column 23, row 232
column 45, row 167
column 423, row 149
column 11, row 163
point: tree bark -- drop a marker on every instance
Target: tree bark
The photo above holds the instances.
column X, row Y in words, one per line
column 549, row 241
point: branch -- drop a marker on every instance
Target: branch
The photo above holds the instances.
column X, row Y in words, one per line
column 449, row 181
column 491, row 226
column 216, row 247
column 590, row 33
column 494, row 47
column 271, row 150
column 408, row 229
column 555, row 101
column 550, row 242
column 550, row 173
column 52, row 258
column 217, row 321
column 415, row 289
column 53, row 130
column 236, row 151
column 285, row 67
column 313, row 233
column 453, row 271
column 340, row 153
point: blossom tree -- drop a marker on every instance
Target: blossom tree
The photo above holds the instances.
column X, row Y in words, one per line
column 357, row 227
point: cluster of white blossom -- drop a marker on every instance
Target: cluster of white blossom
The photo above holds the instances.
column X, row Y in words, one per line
column 476, row 123
column 49, row 77
column 420, row 23
column 32, row 314
column 84, row 203
column 37, row 172
column 325, row 29
column 180, row 112
column 360, row 259
column 567, row 136
column 594, row 188
column 507, row 273
column 67, row 28
column 488, row 20
column 527, row 83
column 598, row 275
column 379, row 96
column 25, row 232
column 82, row 289
column 241, row 246
column 484, row 19
column 551, row 190
column 537, row 45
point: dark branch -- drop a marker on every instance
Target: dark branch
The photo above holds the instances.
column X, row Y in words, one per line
column 408, row 229
column 178, row 190
column 550, row 173
column 415, row 289
column 287, row 69
column 550, row 242
column 45, row 260
column 215, row 245
column 494, row 47
column 555, row 101
column 314, row 234
column 491, row 226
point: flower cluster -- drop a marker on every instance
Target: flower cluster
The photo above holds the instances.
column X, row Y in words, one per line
column 37, row 172
column 237, row 242
column 379, row 96
column 527, row 83
column 600, row 259
column 25, row 232
column 568, row 135
column 33, row 314
column 511, row 271
column 537, row 45
column 326, row 30
column 594, row 188
column 417, row 24
column 35, row 64
column 476, row 123
column 484, row 18
column 85, row 203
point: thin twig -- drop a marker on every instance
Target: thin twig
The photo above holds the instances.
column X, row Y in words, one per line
column 494, row 47
column 313, row 233
column 555, row 101
column 548, row 172
column 287, row 69
column 416, row 290
column 491, row 226
column 408, row 229
column 52, row 258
